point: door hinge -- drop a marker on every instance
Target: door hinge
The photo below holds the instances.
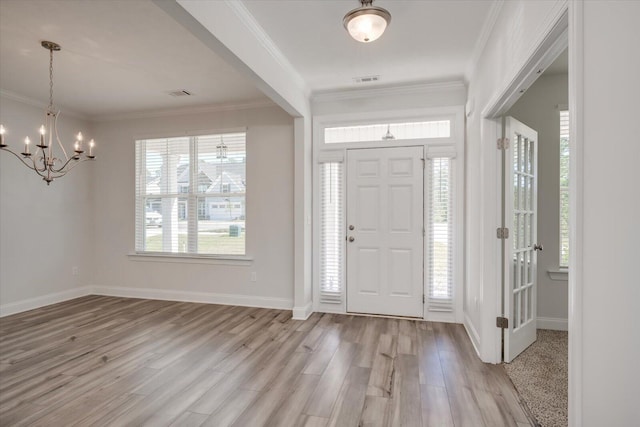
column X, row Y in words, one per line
column 423, row 299
column 502, row 322
column 503, row 143
column 502, row 233
column 424, row 232
column 423, row 163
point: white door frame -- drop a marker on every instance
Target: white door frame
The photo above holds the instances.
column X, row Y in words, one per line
column 555, row 42
column 567, row 30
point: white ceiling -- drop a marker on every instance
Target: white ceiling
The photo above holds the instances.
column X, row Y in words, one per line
column 117, row 57
column 123, row 56
column 426, row 41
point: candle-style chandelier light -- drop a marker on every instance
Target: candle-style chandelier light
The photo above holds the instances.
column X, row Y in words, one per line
column 44, row 160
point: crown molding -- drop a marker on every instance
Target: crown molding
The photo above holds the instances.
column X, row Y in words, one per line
column 422, row 88
column 485, row 33
column 171, row 112
column 267, row 43
column 14, row 96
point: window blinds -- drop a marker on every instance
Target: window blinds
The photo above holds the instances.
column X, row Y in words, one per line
column 190, row 194
column 564, row 188
column 440, row 235
column 331, row 233
column 376, row 132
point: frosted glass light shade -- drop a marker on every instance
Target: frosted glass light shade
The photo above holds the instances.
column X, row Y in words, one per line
column 366, row 24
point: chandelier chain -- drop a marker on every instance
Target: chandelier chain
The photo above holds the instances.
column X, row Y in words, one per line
column 51, row 79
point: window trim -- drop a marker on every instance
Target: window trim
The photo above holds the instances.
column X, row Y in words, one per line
column 164, row 257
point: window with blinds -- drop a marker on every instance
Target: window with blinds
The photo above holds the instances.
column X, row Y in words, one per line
column 190, row 194
column 440, row 235
column 331, row 233
column 564, row 188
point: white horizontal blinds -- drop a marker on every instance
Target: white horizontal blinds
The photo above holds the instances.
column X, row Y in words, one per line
column 376, row 132
column 221, row 193
column 140, row 183
column 564, row 188
column 181, row 208
column 440, row 235
column 160, row 225
column 331, row 233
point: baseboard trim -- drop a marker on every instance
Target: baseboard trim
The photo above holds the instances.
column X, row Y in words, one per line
column 44, row 300
column 553, row 323
column 303, row 313
column 473, row 334
column 199, row 297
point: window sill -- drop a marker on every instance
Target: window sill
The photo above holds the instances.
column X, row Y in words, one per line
column 561, row 274
column 237, row 260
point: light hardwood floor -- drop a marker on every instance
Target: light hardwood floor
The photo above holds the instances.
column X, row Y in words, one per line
column 129, row 362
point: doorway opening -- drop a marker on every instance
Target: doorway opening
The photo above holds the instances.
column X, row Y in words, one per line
column 536, row 351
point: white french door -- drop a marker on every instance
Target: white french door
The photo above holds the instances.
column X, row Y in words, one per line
column 520, row 254
column 385, row 219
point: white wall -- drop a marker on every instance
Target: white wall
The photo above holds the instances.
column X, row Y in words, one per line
column 537, row 108
column 389, row 99
column 269, row 224
column 45, row 231
column 610, row 151
column 518, row 31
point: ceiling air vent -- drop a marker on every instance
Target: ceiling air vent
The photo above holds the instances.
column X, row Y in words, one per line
column 366, row 79
column 181, row 92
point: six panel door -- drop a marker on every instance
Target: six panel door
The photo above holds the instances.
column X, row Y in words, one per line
column 385, row 219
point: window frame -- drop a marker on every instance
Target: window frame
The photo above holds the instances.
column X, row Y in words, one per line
column 192, row 198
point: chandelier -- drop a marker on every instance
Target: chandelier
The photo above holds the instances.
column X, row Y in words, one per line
column 367, row 22
column 44, row 160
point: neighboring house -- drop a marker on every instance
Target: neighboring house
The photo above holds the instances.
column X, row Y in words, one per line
column 223, row 186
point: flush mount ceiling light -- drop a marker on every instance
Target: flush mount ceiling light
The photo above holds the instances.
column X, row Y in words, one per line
column 367, row 22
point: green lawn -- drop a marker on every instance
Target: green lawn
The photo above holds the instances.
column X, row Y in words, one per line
column 210, row 243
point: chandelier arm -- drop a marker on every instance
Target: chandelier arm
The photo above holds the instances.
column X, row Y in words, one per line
column 43, row 158
column 55, row 129
column 41, row 173
column 32, row 167
column 62, row 169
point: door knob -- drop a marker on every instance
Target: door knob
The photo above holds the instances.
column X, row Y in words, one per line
column 537, row 247
column 351, row 238
column 351, row 227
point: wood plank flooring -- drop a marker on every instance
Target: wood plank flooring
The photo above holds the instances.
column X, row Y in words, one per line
column 97, row 361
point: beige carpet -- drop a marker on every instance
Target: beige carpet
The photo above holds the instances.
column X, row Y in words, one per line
column 540, row 375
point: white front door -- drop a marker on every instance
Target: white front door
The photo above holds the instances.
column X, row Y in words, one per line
column 521, row 215
column 385, row 231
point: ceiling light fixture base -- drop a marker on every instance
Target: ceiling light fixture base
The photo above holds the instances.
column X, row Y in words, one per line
column 50, row 45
